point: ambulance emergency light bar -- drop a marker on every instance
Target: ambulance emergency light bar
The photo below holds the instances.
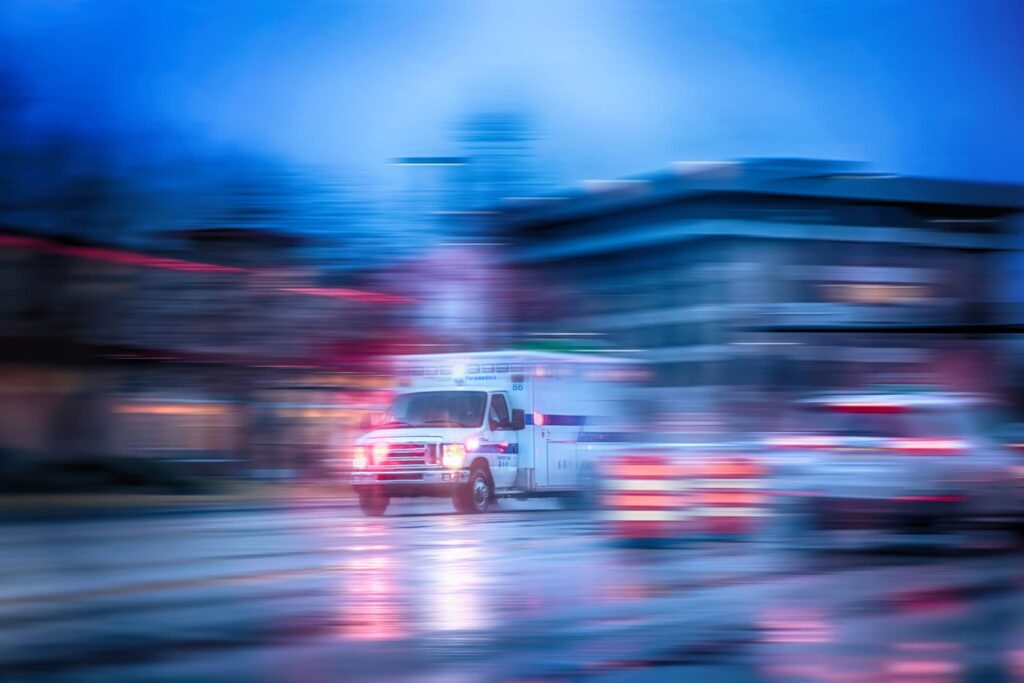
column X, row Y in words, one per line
column 605, row 369
column 462, row 370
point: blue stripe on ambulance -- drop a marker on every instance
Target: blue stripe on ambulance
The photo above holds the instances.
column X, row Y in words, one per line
column 556, row 420
column 512, row 448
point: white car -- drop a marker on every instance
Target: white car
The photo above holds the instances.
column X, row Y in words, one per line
column 908, row 461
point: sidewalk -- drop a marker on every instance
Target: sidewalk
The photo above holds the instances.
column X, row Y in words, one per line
column 234, row 497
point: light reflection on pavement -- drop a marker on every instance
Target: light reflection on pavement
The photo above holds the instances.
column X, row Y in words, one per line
column 520, row 594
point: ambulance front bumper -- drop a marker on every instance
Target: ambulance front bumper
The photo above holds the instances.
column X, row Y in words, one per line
column 408, row 482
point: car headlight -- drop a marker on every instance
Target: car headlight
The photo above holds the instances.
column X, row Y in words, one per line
column 453, row 455
column 359, row 458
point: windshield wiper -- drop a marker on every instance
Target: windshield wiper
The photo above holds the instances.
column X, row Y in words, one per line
column 452, row 423
column 393, row 423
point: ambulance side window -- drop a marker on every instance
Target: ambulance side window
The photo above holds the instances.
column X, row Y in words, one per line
column 498, row 417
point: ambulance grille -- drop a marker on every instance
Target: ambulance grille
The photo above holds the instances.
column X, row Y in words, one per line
column 410, row 455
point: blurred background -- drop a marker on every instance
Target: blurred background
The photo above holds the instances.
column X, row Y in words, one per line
column 221, row 222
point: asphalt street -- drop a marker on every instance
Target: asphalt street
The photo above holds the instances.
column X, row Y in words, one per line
column 525, row 593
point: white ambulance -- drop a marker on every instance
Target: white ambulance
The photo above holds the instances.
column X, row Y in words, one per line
column 481, row 426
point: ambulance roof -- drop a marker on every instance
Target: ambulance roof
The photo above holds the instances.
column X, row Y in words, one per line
column 510, row 357
column 428, row 387
column 490, row 367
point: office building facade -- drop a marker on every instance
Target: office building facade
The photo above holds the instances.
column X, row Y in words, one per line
column 775, row 274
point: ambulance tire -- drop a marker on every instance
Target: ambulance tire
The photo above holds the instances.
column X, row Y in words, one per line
column 475, row 495
column 373, row 503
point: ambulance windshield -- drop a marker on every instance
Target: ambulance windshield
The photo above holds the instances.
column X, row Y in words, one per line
column 436, row 409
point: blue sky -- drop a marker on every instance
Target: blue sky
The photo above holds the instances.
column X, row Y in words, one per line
column 613, row 87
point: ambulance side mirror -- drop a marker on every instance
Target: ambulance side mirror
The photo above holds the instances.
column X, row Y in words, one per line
column 518, row 420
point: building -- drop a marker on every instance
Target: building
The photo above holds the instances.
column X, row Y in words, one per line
column 242, row 364
column 774, row 274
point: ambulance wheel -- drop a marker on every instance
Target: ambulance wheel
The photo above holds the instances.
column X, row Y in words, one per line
column 373, row 503
column 475, row 495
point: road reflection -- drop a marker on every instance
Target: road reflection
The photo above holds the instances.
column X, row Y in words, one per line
column 428, row 586
column 441, row 586
column 366, row 584
column 371, row 600
column 456, row 594
column 928, row 625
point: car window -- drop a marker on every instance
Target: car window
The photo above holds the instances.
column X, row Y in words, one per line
column 498, row 417
column 910, row 424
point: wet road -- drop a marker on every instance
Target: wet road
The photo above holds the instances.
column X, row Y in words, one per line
column 523, row 594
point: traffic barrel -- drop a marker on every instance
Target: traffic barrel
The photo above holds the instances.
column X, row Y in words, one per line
column 730, row 498
column 645, row 498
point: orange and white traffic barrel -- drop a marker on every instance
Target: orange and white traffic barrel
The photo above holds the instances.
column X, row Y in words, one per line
column 730, row 497
column 645, row 498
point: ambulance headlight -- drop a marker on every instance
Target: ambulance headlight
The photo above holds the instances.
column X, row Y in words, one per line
column 359, row 458
column 380, row 453
column 453, row 455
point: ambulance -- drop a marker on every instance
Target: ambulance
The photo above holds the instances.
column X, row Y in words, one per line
column 481, row 426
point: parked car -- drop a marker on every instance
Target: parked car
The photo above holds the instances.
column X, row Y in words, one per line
column 911, row 462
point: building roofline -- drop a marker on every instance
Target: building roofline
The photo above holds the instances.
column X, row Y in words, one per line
column 969, row 329
column 688, row 230
column 786, row 177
